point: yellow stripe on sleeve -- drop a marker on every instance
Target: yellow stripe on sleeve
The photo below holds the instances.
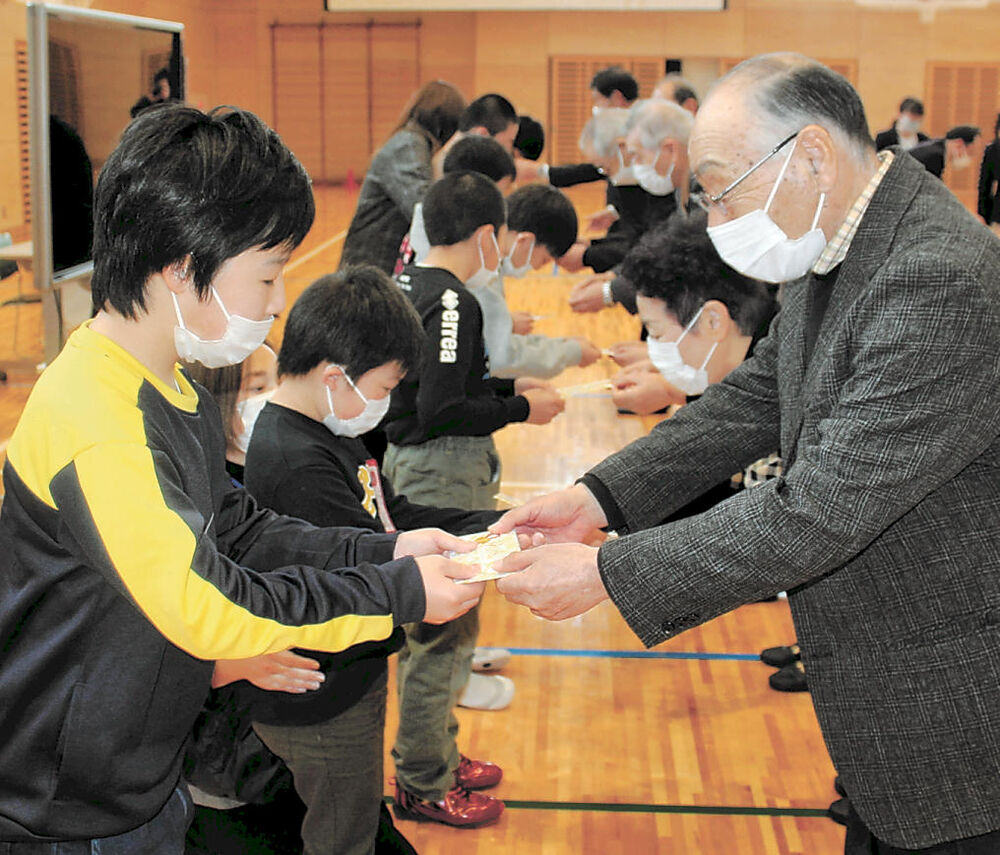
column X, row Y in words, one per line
column 151, row 548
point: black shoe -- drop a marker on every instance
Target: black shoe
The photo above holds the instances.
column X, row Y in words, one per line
column 839, row 810
column 839, row 786
column 389, row 840
column 779, row 657
column 791, row 678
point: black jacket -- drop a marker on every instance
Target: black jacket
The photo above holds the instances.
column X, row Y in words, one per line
column 451, row 393
column 989, row 184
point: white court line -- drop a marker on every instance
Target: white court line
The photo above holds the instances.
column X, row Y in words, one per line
column 315, row 251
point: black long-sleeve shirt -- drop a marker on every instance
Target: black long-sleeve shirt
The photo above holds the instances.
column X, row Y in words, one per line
column 296, row 466
column 451, row 393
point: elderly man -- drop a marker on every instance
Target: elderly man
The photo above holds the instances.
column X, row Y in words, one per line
column 656, row 140
column 880, row 383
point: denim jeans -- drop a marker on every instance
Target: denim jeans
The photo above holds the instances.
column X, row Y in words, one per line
column 162, row 835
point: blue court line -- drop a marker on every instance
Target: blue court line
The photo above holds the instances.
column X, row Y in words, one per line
column 632, row 654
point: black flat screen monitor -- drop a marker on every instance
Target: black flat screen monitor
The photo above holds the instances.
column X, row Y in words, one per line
column 90, row 72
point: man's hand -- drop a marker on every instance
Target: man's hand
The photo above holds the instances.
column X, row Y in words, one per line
column 524, row 323
column 429, row 541
column 588, row 295
column 573, row 259
column 543, row 405
column 277, row 672
column 590, row 351
column 626, row 353
column 446, row 600
column 556, row 582
column 602, row 220
column 569, row 515
column 644, row 392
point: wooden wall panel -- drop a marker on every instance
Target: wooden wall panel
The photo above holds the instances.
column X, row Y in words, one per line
column 346, row 121
column 570, row 103
column 395, row 60
column 339, row 90
column 962, row 93
column 297, row 96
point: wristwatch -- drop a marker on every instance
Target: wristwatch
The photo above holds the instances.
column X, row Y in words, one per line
column 609, row 298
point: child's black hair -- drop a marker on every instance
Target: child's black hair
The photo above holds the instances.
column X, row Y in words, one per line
column 545, row 212
column 458, row 204
column 183, row 183
column 357, row 318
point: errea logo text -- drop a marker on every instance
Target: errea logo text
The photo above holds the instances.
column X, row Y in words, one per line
column 449, row 326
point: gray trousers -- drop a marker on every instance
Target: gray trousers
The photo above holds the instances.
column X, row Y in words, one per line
column 337, row 766
column 434, row 666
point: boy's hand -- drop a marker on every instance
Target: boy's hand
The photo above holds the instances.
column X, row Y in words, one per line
column 523, row 384
column 543, row 405
column 446, row 600
column 284, row 671
column 591, row 352
column 429, row 541
column 524, row 323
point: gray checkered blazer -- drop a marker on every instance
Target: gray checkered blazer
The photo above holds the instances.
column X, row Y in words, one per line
column 884, row 528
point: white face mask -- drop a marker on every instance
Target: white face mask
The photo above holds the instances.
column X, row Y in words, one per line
column 241, row 338
column 507, row 267
column 906, row 125
column 666, row 356
column 366, row 420
column 249, row 409
column 484, row 276
column 756, row 246
column 625, row 176
column 651, row 181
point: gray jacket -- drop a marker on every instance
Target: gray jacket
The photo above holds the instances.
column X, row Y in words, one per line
column 884, row 528
column 397, row 179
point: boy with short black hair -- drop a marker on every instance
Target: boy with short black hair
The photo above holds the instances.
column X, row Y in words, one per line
column 128, row 560
column 491, row 115
column 441, row 452
column 349, row 339
column 469, row 154
column 541, row 227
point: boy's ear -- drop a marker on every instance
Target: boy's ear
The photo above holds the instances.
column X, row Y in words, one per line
column 715, row 322
column 178, row 275
column 331, row 373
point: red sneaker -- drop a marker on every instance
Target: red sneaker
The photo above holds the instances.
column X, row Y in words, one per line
column 477, row 774
column 459, row 808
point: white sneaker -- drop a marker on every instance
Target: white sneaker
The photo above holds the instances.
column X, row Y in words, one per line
column 487, row 692
column 486, row 659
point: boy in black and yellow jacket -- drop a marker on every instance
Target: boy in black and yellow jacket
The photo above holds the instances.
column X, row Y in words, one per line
column 128, row 561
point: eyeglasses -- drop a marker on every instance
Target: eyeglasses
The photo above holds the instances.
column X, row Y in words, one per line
column 707, row 202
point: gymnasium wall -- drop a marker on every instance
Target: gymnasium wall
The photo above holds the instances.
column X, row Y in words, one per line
column 230, row 57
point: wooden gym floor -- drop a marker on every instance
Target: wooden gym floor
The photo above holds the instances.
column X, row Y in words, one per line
column 606, row 748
